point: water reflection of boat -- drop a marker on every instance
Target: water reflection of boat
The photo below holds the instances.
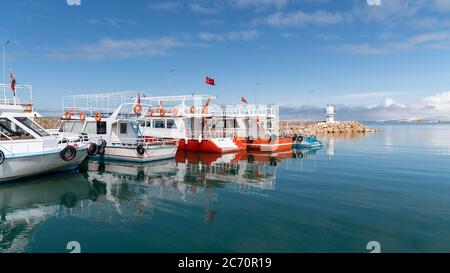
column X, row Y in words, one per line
column 25, row 205
column 117, row 193
column 305, row 153
column 255, row 170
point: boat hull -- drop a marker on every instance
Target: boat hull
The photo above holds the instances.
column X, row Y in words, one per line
column 266, row 145
column 130, row 154
column 21, row 166
column 213, row 145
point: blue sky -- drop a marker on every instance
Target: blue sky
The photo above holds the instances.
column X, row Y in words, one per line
column 348, row 52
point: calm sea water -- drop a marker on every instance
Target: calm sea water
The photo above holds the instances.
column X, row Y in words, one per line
column 392, row 187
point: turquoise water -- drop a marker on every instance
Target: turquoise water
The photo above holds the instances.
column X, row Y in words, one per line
column 392, row 187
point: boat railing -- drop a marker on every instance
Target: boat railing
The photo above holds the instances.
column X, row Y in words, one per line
column 216, row 133
column 13, row 147
column 90, row 104
column 22, row 96
column 142, row 141
column 261, row 110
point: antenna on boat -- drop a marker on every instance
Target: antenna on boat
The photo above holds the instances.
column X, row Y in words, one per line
column 168, row 78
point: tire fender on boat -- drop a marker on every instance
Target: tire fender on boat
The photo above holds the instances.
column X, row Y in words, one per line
column 101, row 147
column 140, row 149
column 92, row 149
column 2, row 157
column 68, row 153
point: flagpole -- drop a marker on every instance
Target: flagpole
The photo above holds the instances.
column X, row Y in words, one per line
column 4, row 68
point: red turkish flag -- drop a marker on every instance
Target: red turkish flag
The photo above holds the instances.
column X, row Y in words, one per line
column 243, row 100
column 209, row 81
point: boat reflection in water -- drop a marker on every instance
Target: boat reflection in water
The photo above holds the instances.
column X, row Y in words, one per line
column 123, row 193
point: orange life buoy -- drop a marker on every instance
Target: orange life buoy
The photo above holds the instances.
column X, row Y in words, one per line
column 82, row 116
column 162, row 113
column 137, row 109
column 98, row 116
column 68, row 115
column 174, row 111
column 192, row 109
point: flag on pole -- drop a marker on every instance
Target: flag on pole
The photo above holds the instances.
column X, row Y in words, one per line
column 13, row 83
column 243, row 100
column 205, row 108
column 209, row 81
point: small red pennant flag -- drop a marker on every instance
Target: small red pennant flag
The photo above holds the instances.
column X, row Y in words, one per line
column 209, row 81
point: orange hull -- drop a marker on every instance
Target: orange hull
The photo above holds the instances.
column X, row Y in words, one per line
column 208, row 146
column 265, row 145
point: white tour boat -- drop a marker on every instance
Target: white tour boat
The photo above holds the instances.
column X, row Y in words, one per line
column 112, row 121
column 26, row 149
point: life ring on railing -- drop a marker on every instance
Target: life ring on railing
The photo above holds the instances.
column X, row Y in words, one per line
column 68, row 115
column 137, row 109
column 192, row 110
column 174, row 112
column 162, row 113
column 82, row 116
column 68, row 153
column 98, row 116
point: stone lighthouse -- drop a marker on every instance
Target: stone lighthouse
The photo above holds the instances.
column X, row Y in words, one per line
column 330, row 112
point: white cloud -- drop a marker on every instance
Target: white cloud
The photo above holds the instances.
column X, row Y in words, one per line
column 430, row 40
column 439, row 102
column 365, row 95
column 170, row 6
column 260, row 3
column 121, row 49
column 441, row 5
column 233, row 36
column 115, row 22
column 435, row 107
column 203, row 10
column 300, row 18
column 73, row 2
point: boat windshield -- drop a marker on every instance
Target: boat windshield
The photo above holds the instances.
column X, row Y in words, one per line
column 33, row 126
column 11, row 131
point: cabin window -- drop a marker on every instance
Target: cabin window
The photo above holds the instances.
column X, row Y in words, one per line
column 11, row 131
column 159, row 123
column 101, row 128
column 77, row 127
column 90, row 127
column 171, row 124
column 123, row 128
column 33, row 126
column 66, row 126
column 148, row 124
